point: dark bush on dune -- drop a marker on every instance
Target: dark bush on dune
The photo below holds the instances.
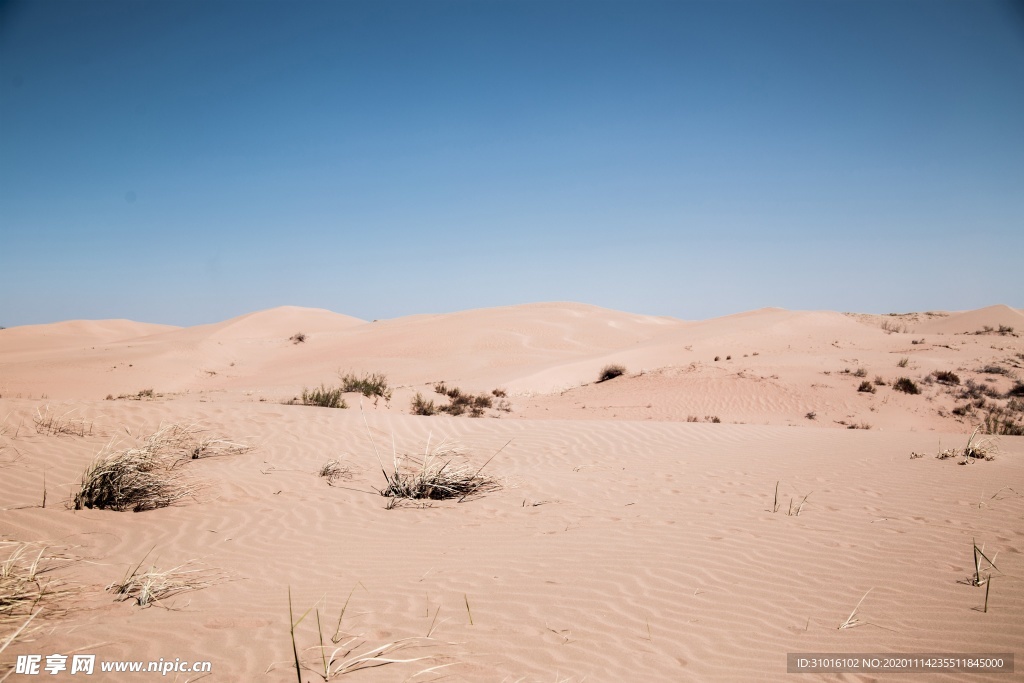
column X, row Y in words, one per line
column 611, row 372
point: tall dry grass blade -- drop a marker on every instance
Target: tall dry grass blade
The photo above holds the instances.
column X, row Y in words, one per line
column 851, row 621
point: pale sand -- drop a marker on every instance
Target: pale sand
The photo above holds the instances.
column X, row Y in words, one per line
column 627, row 544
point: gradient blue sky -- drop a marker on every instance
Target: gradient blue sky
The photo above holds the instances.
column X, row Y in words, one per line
column 186, row 162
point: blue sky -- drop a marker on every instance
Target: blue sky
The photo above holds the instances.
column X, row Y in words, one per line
column 185, row 162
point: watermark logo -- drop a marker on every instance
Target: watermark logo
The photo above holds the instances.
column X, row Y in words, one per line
column 35, row 665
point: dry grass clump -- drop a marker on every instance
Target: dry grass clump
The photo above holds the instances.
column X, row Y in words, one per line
column 441, row 473
column 56, row 425
column 946, row 377
column 297, row 338
column 612, row 371
column 867, row 387
column 354, row 654
column 976, row 449
column 333, row 470
column 25, row 592
column 149, row 476
column 151, row 586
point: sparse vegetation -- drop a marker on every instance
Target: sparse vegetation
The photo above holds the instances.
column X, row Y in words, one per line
column 993, row 369
column 442, row 472
column 903, row 362
column 879, row 382
column 371, row 385
column 333, row 470
column 1003, row 421
column 866, row 387
column 422, row 406
column 459, row 403
column 1017, row 390
column 149, row 476
column 151, row 586
column 324, row 397
column 297, row 338
column 893, row 327
column 976, row 449
column 612, row 371
column 946, row 377
column 63, row 424
column 906, row 385
column 811, row 415
column 860, row 372
column 24, row 592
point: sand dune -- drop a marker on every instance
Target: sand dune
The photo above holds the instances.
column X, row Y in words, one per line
column 974, row 321
column 626, row 543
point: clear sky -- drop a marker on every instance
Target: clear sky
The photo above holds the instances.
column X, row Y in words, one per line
column 186, row 162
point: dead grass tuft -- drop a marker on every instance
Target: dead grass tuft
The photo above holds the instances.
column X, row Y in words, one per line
column 26, row 588
column 63, row 424
column 333, row 470
column 149, row 476
column 152, row 586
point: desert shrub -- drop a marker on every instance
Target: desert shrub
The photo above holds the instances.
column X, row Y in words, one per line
column 421, row 406
column 963, row 410
column 323, row 397
column 459, row 403
column 373, row 385
column 866, row 387
column 891, row 327
column 906, row 385
column 717, row 358
column 297, row 338
column 903, row 362
column 946, row 377
column 861, row 372
column 992, row 369
column 1017, row 390
column 1001, row 421
column 811, row 415
column 862, row 425
column 879, row 382
column 499, row 393
column 1005, row 330
column 612, row 371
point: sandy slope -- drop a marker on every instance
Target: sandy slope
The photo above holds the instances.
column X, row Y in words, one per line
column 626, row 544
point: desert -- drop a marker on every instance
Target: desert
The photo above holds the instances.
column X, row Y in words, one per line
column 730, row 493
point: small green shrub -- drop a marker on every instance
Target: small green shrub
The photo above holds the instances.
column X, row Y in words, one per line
column 612, row 371
column 323, row 397
column 373, row 385
column 906, row 385
column 421, row 406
